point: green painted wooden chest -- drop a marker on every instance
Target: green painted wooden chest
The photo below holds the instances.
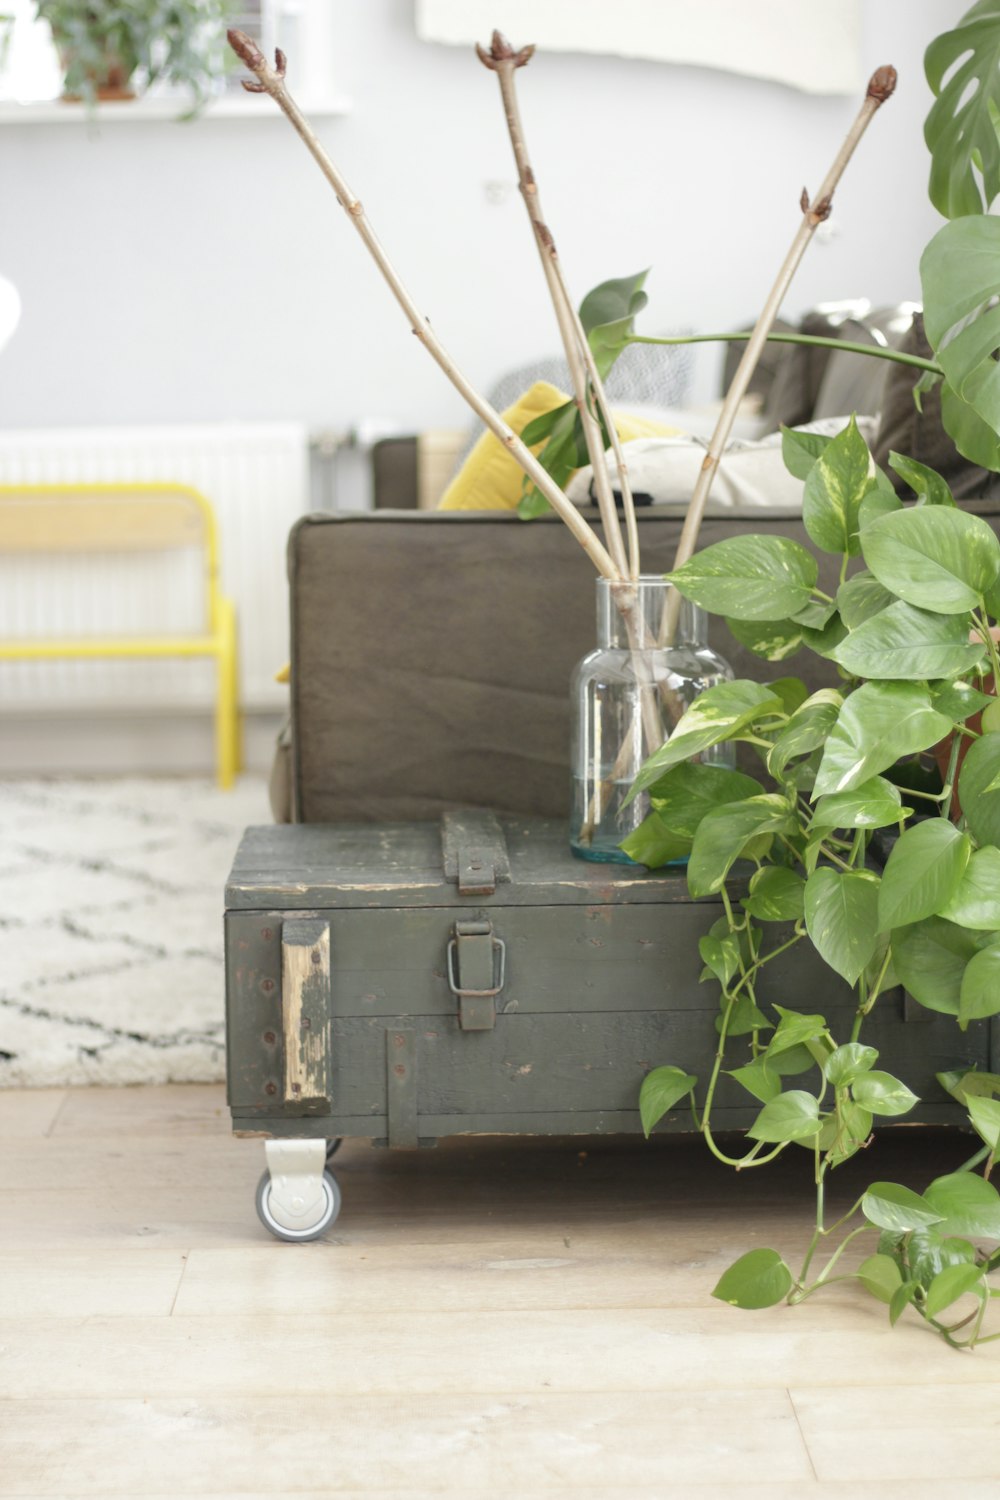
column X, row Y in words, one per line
column 404, row 982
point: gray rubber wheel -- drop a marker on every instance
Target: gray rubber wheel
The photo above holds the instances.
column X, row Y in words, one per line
column 332, row 1147
column 330, row 1210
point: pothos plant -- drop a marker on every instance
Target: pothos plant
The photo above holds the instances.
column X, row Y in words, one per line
column 911, row 631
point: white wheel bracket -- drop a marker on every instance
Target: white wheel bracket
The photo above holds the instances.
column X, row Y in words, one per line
column 297, row 1199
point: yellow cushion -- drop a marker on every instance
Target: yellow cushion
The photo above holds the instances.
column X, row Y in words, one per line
column 490, row 479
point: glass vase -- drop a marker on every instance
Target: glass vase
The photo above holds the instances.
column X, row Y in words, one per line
column 626, row 697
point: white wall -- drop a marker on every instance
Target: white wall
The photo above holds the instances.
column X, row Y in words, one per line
column 199, row 272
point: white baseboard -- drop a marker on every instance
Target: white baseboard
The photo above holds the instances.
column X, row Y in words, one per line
column 116, row 743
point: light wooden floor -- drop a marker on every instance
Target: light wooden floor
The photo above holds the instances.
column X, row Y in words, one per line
column 492, row 1319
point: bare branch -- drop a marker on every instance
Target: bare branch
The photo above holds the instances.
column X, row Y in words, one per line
column 272, row 82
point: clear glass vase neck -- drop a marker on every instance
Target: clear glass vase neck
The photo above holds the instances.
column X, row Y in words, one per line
column 630, row 615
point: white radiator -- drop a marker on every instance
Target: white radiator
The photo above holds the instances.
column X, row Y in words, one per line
column 257, row 478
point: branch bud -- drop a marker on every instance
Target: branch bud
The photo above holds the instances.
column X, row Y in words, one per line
column 246, row 49
column 501, row 51
column 280, row 62
column 882, row 84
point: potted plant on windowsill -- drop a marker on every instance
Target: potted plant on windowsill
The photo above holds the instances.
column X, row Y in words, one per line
column 114, row 52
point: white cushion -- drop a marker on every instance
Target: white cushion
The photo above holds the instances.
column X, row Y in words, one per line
column 750, row 474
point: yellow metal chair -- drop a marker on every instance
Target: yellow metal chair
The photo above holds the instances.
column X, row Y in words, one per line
column 114, row 518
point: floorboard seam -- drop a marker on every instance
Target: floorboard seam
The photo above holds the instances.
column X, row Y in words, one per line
column 805, row 1441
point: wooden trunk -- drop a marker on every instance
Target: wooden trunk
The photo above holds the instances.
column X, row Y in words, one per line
column 360, row 962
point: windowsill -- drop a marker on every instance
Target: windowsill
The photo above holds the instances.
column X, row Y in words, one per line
column 162, row 107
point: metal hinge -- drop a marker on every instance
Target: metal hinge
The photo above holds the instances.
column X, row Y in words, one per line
column 477, row 962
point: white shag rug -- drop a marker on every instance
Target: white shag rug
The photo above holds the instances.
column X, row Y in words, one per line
column 111, row 901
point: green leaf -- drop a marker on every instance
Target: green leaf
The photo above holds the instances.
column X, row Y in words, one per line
column 873, row 804
column 660, row 1091
column 835, row 486
column 792, row 1030
column 792, row 1060
column 774, row 640
column 723, row 834
column 922, row 873
column 980, row 797
column 968, row 1205
column 800, row 450
column 842, row 918
column 880, row 499
column 959, row 273
column 613, row 300
column 976, row 901
column 968, row 1083
column 825, row 642
column 848, row 1062
column 901, row 1300
column 960, row 130
column 758, row 1279
column 860, row 598
column 776, row 895
column 792, row 1116
column 744, row 1017
column 985, row 1115
column 882, row 1094
column 880, row 1275
column 959, row 700
column 758, row 1079
column 930, row 959
column 848, row 1134
column 929, row 1251
column 979, row 996
column 721, row 955
column 879, row 723
column 684, row 794
column 975, row 439
column 791, row 690
column 905, row 642
column 718, row 714
column 950, row 1284
column 925, row 482
column 938, row 559
column 540, row 427
column 654, row 844
column 892, row 1206
column 749, row 577
column 816, row 614
column 807, row 729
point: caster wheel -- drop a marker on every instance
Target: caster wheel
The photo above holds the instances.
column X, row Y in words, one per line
column 328, row 1210
column 332, row 1147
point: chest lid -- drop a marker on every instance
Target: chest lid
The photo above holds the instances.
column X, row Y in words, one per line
column 467, row 858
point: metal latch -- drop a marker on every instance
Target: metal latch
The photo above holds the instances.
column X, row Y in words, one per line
column 477, row 962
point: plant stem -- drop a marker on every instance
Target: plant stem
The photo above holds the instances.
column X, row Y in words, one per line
column 814, row 212
column 504, row 61
column 813, row 340
column 271, row 81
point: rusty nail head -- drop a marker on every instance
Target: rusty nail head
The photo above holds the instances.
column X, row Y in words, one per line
column 270, row 1088
column 269, row 1037
column 267, row 986
column 316, row 956
column 399, row 1070
column 267, row 934
column 306, row 1023
column 296, row 1088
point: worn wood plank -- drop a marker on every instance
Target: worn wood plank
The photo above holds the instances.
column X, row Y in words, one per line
column 29, row 1112
column 510, row 1442
column 305, row 1009
column 581, row 1351
column 939, row 1431
column 316, row 866
column 66, row 1283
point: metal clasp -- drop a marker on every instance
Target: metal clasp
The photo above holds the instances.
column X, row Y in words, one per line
column 476, row 956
